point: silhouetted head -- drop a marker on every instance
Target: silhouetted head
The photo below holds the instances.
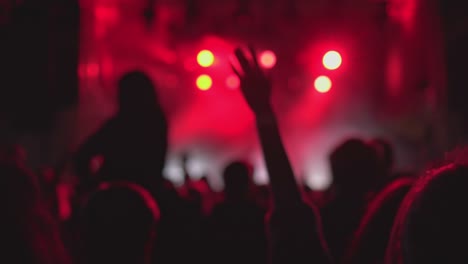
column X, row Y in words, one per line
column 431, row 226
column 385, row 153
column 119, row 223
column 354, row 166
column 237, row 176
column 137, row 95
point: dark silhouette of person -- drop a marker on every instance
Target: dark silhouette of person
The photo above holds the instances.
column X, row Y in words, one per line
column 119, row 224
column 237, row 224
column 386, row 156
column 386, row 153
column 188, row 191
column 30, row 234
column 355, row 167
column 294, row 227
column 431, row 225
column 192, row 223
column 207, row 193
column 371, row 239
column 133, row 144
column 263, row 197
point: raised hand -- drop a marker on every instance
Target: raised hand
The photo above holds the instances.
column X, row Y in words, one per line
column 293, row 226
column 255, row 85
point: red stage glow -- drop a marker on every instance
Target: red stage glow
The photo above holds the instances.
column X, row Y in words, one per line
column 232, row 82
column 268, row 59
column 205, row 58
column 323, row 84
column 204, row 82
column 332, row 60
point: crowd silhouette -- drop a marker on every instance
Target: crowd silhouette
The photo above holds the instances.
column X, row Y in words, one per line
column 124, row 211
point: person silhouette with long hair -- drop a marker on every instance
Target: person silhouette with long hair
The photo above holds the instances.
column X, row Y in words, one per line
column 132, row 145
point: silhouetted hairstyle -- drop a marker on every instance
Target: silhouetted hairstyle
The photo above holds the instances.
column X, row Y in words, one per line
column 431, row 225
column 137, row 94
column 354, row 166
column 119, row 223
column 237, row 179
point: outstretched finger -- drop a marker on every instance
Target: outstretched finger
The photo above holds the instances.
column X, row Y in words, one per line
column 235, row 70
column 243, row 61
column 254, row 56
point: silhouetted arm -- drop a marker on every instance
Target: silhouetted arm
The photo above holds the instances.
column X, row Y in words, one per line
column 90, row 148
column 283, row 183
column 294, row 227
column 256, row 89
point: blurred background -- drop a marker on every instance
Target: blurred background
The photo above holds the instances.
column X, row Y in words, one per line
column 368, row 68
